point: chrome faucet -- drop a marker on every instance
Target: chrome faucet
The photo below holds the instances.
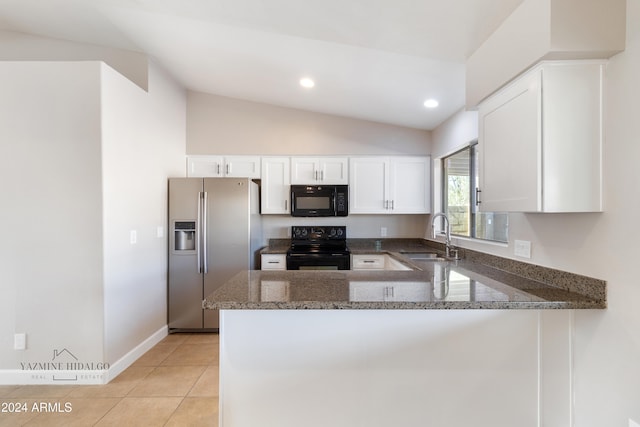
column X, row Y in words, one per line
column 450, row 250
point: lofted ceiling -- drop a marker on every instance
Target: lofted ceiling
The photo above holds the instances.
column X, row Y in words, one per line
column 375, row 60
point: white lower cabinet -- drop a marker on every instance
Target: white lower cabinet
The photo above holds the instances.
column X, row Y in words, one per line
column 376, row 262
column 367, row 262
column 274, row 290
column 389, row 185
column 389, row 291
column 273, row 262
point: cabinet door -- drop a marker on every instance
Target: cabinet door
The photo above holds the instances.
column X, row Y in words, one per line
column 242, row 167
column 410, row 185
column 410, row 291
column 205, row 166
column 319, row 170
column 369, row 185
column 334, row 170
column 572, row 137
column 304, row 170
column 510, row 144
column 275, row 290
column 273, row 262
column 367, row 291
column 367, row 262
column 275, row 185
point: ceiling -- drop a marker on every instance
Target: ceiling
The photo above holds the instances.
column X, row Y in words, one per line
column 376, row 60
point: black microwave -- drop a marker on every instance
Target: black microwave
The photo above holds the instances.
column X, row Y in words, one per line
column 319, row 200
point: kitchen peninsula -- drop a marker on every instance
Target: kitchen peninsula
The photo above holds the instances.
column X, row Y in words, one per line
column 320, row 348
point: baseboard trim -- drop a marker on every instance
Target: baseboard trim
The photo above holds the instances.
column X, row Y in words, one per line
column 81, row 377
column 127, row 360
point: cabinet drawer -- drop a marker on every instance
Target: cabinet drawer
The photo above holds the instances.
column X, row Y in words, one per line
column 273, row 262
column 368, row 262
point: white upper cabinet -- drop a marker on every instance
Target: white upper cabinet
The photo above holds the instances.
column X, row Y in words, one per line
column 540, row 141
column 319, row 170
column 223, row 166
column 242, row 166
column 389, row 185
column 368, row 185
column 409, row 184
column 275, row 185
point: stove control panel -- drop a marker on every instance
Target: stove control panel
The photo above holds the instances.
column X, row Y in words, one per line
column 338, row 232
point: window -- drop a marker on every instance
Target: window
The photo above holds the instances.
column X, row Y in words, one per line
column 460, row 181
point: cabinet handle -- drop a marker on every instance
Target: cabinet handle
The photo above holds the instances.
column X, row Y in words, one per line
column 321, row 175
column 286, row 205
column 228, row 168
column 218, row 168
column 368, row 261
column 392, row 204
column 478, row 201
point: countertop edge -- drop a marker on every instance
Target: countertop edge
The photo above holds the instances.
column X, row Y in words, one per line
column 442, row 305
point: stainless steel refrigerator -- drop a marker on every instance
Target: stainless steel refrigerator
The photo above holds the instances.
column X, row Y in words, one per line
column 214, row 233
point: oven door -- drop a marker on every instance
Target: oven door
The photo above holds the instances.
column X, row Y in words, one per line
column 312, row 261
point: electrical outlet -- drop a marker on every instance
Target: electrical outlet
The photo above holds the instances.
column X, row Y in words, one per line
column 522, row 248
column 20, row 341
column 383, row 231
column 160, row 232
column 133, row 237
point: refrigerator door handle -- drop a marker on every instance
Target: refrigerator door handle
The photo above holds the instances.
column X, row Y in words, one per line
column 199, row 233
column 204, row 233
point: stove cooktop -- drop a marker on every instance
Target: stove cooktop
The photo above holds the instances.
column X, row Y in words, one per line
column 318, row 239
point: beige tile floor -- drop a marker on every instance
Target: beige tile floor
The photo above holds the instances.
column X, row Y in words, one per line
column 173, row 384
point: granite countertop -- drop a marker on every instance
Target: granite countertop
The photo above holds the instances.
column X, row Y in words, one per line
column 478, row 281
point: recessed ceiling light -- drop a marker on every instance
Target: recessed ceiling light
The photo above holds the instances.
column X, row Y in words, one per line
column 307, row 82
column 431, row 103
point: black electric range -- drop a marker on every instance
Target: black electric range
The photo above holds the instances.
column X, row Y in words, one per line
column 318, row 248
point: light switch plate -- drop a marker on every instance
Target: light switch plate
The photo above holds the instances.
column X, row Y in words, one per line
column 522, row 248
column 20, row 341
column 133, row 237
column 383, row 231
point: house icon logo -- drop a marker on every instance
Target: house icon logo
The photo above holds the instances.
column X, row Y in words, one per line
column 63, row 355
column 65, row 360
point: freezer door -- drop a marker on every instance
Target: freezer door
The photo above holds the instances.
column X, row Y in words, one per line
column 227, row 234
column 185, row 279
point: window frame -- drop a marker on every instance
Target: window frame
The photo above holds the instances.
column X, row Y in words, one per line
column 472, row 147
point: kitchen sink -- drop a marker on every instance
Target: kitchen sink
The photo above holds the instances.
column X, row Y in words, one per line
column 422, row 256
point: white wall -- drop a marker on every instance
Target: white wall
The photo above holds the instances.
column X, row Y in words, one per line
column 84, row 158
column 219, row 125
column 50, row 180
column 143, row 143
column 16, row 46
column 606, row 343
column 544, row 29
